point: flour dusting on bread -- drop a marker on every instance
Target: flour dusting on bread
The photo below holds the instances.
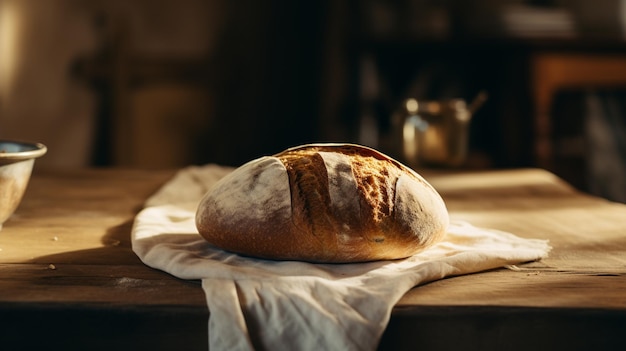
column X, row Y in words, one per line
column 323, row 203
column 261, row 186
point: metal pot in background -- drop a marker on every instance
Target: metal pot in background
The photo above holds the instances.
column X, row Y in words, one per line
column 433, row 133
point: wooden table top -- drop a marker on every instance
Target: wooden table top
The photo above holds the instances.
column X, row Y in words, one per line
column 69, row 278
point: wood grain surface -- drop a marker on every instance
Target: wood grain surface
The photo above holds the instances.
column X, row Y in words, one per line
column 69, row 276
column 586, row 267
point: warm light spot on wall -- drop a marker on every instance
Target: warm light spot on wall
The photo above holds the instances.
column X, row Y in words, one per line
column 9, row 32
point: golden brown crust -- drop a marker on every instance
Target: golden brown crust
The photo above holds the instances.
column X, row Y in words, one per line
column 323, row 203
column 310, row 196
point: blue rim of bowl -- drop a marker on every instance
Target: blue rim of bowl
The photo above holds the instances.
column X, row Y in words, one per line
column 27, row 150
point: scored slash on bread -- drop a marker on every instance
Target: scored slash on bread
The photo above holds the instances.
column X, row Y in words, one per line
column 331, row 203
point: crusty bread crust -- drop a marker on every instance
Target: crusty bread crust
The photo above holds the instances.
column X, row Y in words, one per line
column 330, row 203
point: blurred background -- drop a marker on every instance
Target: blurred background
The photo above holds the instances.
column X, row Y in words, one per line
column 168, row 83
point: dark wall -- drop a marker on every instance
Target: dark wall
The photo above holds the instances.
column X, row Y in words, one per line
column 265, row 76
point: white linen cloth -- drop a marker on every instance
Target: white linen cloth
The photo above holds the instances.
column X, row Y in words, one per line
column 286, row 305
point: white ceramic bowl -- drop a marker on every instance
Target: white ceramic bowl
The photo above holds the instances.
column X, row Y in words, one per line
column 16, row 165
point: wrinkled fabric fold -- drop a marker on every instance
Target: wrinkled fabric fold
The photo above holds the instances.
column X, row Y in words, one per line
column 259, row 304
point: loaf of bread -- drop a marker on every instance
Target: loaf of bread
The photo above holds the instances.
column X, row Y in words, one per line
column 332, row 203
